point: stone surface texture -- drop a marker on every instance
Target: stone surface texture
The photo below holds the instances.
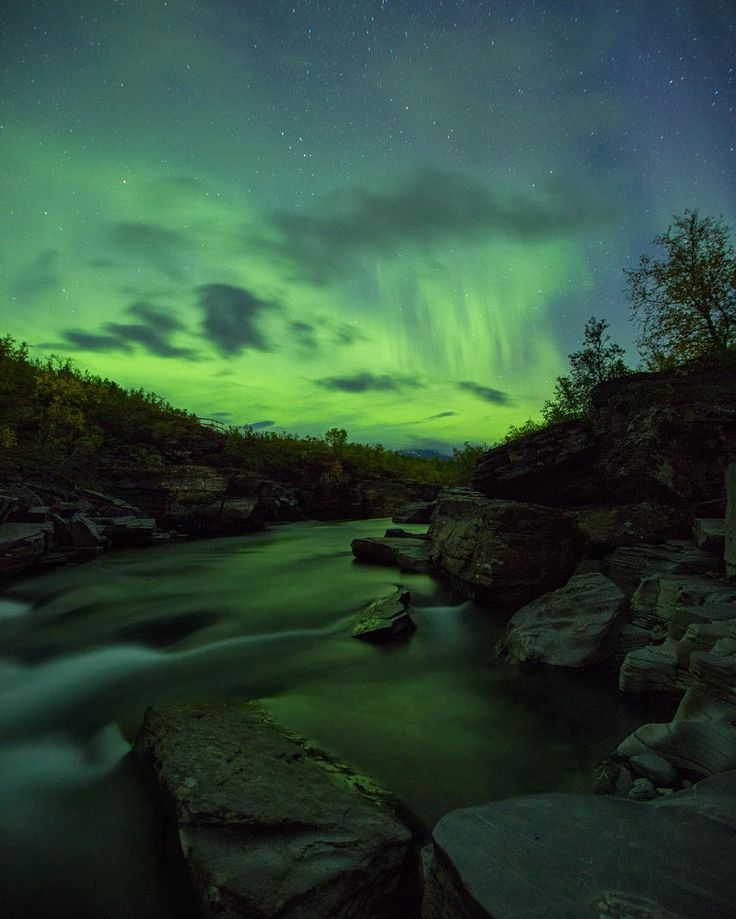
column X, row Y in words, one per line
column 505, row 552
column 574, row 626
column 586, row 857
column 271, row 827
column 385, row 619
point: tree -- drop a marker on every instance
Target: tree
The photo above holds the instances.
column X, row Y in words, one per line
column 598, row 360
column 336, row 438
column 685, row 303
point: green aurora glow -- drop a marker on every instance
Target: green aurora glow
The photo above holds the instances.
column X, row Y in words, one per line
column 272, row 224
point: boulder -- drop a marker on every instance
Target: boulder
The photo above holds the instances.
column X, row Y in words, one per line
column 267, row 825
column 581, row 856
column 655, row 768
column 22, row 545
column 730, row 522
column 574, row 626
column 415, row 512
column 401, row 552
column 502, row 551
column 385, row 619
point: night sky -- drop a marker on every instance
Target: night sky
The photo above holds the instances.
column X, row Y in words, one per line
column 391, row 216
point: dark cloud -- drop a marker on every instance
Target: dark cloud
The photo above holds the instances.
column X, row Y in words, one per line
column 151, row 333
column 39, row 276
column 221, row 414
column 305, row 335
column 155, row 318
column 441, row 415
column 347, row 335
column 257, row 425
column 430, row 206
column 496, row 396
column 89, row 341
column 151, row 338
column 230, row 318
column 368, row 382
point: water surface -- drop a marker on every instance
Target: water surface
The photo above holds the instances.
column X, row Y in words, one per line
column 438, row 719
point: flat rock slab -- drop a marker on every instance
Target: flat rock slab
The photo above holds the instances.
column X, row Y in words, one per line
column 271, row 827
column 574, row 626
column 386, row 619
column 562, row 856
column 401, row 552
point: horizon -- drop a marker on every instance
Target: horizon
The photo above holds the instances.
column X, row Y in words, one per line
column 392, row 218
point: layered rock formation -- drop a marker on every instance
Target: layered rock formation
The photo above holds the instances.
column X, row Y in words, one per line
column 662, row 438
column 505, row 552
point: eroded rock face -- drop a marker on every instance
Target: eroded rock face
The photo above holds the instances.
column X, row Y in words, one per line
column 503, row 551
column 574, row 626
column 661, row 438
column 271, row 827
column 524, row 857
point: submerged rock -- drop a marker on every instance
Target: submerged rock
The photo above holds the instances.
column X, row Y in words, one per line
column 386, row 619
column 268, row 826
column 574, row 626
column 580, row 856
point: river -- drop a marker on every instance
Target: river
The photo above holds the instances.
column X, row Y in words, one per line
column 437, row 720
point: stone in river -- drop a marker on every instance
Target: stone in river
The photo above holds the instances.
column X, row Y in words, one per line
column 271, row 827
column 386, row 619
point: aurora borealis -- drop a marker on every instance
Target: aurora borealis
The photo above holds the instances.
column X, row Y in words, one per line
column 392, row 217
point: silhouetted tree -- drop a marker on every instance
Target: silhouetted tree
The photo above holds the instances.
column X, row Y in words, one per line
column 599, row 359
column 685, row 303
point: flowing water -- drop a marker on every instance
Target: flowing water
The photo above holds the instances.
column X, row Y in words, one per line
column 438, row 720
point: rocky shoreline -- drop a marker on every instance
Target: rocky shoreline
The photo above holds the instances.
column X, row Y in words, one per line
column 608, row 542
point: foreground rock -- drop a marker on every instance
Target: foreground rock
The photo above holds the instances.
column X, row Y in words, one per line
column 403, row 552
column 386, row 619
column 575, row 856
column 502, row 551
column 574, row 626
column 270, row 827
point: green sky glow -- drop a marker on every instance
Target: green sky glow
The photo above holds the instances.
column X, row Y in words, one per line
column 291, row 214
